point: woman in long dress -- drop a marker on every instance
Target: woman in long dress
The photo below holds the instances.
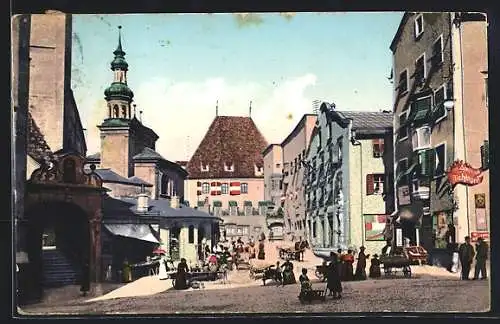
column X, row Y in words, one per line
column 361, row 265
column 334, row 283
column 181, row 276
column 162, row 272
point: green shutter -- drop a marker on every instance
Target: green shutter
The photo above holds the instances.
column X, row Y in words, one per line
column 201, row 203
column 420, row 109
column 428, row 162
column 217, row 203
column 262, row 203
column 233, row 203
column 247, row 203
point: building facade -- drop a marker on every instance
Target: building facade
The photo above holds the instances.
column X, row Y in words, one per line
column 348, row 180
column 226, row 172
column 294, row 150
column 273, row 167
column 439, row 58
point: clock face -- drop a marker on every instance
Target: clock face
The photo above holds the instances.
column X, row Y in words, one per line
column 480, row 200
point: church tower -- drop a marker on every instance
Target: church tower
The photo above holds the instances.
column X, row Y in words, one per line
column 122, row 135
column 118, row 94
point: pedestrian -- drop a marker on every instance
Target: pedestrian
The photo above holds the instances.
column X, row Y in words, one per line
column 288, row 275
column 466, row 255
column 375, row 267
column 481, row 257
column 278, row 275
column 348, row 266
column 297, row 249
column 305, row 283
column 334, row 284
column 181, row 275
column 162, row 270
column 340, row 263
column 85, row 278
column 262, row 254
column 361, row 265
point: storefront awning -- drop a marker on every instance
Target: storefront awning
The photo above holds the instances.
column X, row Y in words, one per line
column 137, row 231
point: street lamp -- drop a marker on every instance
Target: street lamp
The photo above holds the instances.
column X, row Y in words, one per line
column 449, row 104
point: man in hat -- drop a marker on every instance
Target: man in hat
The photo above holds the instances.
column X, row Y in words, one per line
column 481, row 257
column 466, row 255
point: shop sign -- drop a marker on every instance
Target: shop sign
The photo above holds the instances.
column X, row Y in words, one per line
column 461, row 172
column 475, row 235
column 404, row 195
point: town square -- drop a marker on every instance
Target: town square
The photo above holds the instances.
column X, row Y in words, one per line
column 250, row 163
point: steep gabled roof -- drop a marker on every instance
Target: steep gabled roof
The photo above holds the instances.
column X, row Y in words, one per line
column 148, row 154
column 229, row 139
column 37, row 147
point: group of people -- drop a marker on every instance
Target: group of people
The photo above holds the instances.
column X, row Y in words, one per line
column 345, row 265
column 466, row 256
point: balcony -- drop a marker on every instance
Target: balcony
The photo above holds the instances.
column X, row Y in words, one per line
column 421, row 138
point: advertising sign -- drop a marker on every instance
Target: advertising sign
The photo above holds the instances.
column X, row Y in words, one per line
column 475, row 235
column 481, row 222
column 404, row 195
column 461, row 172
column 374, row 227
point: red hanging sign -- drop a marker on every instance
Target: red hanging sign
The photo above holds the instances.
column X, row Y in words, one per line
column 461, row 172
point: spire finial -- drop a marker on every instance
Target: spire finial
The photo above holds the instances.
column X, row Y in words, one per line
column 119, row 51
column 250, row 109
column 217, row 108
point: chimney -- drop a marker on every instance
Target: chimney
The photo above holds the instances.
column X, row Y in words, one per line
column 174, row 202
column 142, row 201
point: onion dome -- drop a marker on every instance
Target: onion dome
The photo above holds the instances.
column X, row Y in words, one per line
column 119, row 60
column 118, row 90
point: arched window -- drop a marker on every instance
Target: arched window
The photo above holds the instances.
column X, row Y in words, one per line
column 124, row 111
column 191, row 234
column 109, row 111
column 164, row 184
column 115, row 111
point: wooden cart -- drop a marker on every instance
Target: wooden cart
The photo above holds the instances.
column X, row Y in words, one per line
column 393, row 263
column 258, row 267
column 310, row 295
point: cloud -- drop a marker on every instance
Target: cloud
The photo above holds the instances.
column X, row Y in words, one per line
column 181, row 112
column 248, row 19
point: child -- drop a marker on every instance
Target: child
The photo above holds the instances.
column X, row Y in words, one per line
column 305, row 284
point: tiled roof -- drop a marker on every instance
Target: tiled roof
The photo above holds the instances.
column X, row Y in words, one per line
column 161, row 207
column 148, row 154
column 37, row 147
column 229, row 139
column 108, row 175
column 368, row 119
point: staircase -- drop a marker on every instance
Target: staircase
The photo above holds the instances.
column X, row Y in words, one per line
column 57, row 269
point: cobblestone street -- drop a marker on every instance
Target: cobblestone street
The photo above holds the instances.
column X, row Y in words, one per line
column 430, row 289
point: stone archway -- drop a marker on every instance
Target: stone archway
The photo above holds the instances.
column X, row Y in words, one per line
column 61, row 192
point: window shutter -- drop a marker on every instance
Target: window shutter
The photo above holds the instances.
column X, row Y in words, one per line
column 198, row 184
column 428, row 162
column 369, row 184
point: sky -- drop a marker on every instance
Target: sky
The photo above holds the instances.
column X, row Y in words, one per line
column 180, row 65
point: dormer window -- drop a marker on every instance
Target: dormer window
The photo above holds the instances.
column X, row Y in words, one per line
column 259, row 170
column 204, row 167
column 229, row 167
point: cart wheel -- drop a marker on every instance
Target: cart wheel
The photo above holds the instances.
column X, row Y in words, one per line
column 407, row 272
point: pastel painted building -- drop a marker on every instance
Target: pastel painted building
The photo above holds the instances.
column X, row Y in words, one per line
column 348, row 180
column 226, row 172
column 273, row 167
column 294, row 148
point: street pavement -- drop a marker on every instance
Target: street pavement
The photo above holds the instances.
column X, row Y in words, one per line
column 430, row 289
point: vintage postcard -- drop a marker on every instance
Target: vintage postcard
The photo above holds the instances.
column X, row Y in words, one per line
column 250, row 163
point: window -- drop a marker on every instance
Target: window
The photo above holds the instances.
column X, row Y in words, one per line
column 256, row 229
column 229, row 167
column 403, row 127
column 440, row 159
column 437, row 51
column 191, row 234
column 378, row 147
column 420, row 110
column 124, row 111
column 439, row 112
column 224, row 188
column 401, row 169
column 278, row 165
column 204, row 167
column 244, row 188
column 420, row 70
column 419, row 26
column 116, row 111
column 421, row 138
column 205, row 188
column 300, row 161
column 374, row 184
column 403, row 82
